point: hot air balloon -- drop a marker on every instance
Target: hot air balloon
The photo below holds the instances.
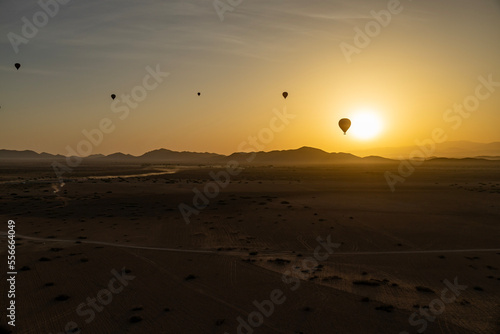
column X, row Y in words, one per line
column 113, row 96
column 285, row 94
column 345, row 124
column 17, row 65
column 199, row 93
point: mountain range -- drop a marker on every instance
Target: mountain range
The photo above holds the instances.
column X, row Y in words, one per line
column 303, row 155
column 450, row 149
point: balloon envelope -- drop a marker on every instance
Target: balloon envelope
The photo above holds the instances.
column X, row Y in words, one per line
column 17, row 65
column 345, row 124
column 285, row 94
column 199, row 93
column 113, row 96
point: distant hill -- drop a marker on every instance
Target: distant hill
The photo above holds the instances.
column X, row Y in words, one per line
column 120, row 156
column 488, row 157
column 26, row 155
column 463, row 161
column 451, row 149
column 178, row 157
column 301, row 156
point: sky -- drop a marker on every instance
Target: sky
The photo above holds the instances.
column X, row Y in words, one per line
column 407, row 64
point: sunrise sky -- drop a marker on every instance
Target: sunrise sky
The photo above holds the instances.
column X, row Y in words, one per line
column 427, row 58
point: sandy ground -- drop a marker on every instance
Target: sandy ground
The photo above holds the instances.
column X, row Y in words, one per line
column 388, row 266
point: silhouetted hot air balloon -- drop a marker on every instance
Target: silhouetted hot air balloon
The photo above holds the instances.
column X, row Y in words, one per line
column 113, row 96
column 345, row 124
column 285, row 94
column 17, row 65
column 199, row 93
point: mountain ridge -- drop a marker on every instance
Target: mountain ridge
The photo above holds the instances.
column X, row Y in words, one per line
column 305, row 154
column 302, row 155
column 451, row 149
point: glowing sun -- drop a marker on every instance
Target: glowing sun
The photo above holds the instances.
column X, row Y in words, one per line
column 365, row 125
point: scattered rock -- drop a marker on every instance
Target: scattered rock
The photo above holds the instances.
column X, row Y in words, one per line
column 135, row 319
column 424, row 289
column 190, row 277
column 367, row 283
column 279, row 261
column 386, row 308
column 61, row 298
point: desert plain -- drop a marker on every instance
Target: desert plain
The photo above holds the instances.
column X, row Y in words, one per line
column 278, row 249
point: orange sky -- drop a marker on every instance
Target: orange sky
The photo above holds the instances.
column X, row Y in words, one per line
column 427, row 58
